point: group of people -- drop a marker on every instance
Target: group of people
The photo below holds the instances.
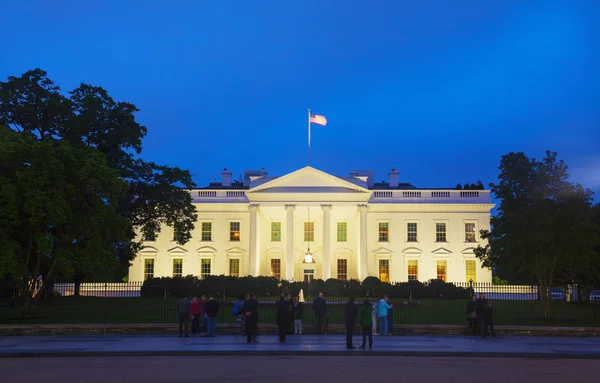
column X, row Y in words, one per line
column 201, row 312
column 480, row 316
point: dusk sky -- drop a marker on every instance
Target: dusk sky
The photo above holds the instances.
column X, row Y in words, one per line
column 438, row 89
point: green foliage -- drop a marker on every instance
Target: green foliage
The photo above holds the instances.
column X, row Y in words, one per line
column 499, row 282
column 82, row 148
column 544, row 229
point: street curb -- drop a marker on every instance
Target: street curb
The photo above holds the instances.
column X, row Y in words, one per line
column 300, row 353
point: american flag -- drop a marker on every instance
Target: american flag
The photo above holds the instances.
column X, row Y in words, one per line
column 317, row 119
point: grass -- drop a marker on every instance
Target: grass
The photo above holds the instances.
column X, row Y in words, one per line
column 94, row 310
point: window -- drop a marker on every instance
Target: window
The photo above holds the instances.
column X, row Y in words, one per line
column 205, row 268
column 440, row 232
column 309, row 275
column 234, row 267
column 150, row 237
column 384, row 270
column 177, row 267
column 276, row 231
column 384, row 232
column 469, row 232
column 441, row 270
column 207, row 231
column 342, row 269
column 176, row 235
column 309, row 231
column 413, row 270
column 276, row 268
column 411, row 232
column 148, row 268
column 471, row 267
column 342, row 231
column 234, row 231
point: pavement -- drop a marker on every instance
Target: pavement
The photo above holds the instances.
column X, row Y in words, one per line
column 304, row 345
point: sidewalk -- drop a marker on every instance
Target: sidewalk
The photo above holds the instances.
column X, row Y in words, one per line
column 305, row 345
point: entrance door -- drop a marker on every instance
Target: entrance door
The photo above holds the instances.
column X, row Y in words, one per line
column 309, row 275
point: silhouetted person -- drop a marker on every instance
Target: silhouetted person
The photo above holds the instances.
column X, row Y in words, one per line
column 320, row 309
column 481, row 302
column 488, row 320
column 284, row 311
column 250, row 309
column 183, row 309
column 350, row 313
column 365, row 318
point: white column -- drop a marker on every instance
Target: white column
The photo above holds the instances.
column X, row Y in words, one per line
column 363, row 269
column 253, row 259
column 289, row 242
column 326, row 241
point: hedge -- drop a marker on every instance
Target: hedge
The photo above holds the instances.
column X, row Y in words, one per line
column 265, row 287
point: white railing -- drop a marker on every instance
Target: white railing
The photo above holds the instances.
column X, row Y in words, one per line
column 202, row 194
column 439, row 194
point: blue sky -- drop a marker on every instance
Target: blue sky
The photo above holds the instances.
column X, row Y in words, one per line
column 438, row 89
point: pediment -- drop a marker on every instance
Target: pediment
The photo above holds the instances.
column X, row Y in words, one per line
column 177, row 249
column 308, row 180
column 149, row 249
column 469, row 250
column 441, row 251
column 382, row 250
column 206, row 250
column 412, row 250
column 235, row 250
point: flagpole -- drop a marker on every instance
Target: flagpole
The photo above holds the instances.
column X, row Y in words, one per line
column 309, row 137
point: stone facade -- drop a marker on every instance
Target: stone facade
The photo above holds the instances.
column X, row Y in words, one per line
column 352, row 227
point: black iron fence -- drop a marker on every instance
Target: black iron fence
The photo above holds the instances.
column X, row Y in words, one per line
column 413, row 303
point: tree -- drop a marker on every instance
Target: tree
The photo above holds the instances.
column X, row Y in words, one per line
column 58, row 207
column 544, row 227
column 88, row 117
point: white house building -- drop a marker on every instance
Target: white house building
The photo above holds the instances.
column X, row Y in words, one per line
column 309, row 224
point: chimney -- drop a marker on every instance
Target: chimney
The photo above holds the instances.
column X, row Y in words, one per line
column 394, row 178
column 353, row 173
column 225, row 178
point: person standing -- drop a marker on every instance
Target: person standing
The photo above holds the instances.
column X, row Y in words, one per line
column 488, row 320
column 382, row 314
column 239, row 315
column 183, row 309
column 195, row 314
column 283, row 317
column 211, row 311
column 320, row 310
column 297, row 316
column 472, row 314
column 481, row 302
column 365, row 318
column 288, row 298
column 203, row 300
column 350, row 313
column 250, row 309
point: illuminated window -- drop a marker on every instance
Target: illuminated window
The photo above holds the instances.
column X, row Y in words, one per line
column 342, row 231
column 276, row 268
column 471, row 266
column 413, row 270
column 148, row 268
column 440, row 232
column 309, row 231
column 275, row 231
column 177, row 267
column 384, row 232
column 342, row 269
column 441, row 270
column 234, row 267
column 384, row 270
column 207, row 231
column 234, row 231
column 205, row 268
column 411, row 232
column 469, row 232
column 309, row 275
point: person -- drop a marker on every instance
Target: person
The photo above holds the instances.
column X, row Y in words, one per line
column 382, row 314
column 320, row 310
column 297, row 316
column 283, row 317
column 195, row 314
column 203, row 300
column 479, row 311
column 350, row 313
column 239, row 315
column 288, row 298
column 472, row 314
column 488, row 320
column 374, row 318
column 183, row 309
column 250, row 309
column 365, row 319
column 211, row 311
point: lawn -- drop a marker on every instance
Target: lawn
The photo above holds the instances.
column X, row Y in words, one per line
column 94, row 310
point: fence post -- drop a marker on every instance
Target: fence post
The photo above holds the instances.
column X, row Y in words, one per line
column 105, row 304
